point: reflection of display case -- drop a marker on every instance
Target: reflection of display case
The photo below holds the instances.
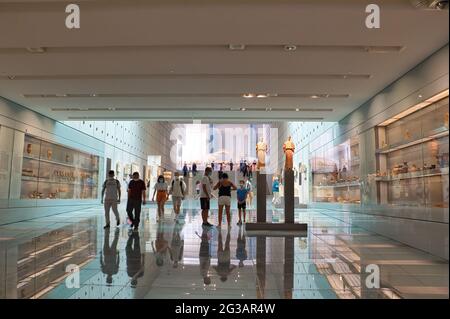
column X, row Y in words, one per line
column 413, row 156
column 335, row 173
column 51, row 171
column 42, row 261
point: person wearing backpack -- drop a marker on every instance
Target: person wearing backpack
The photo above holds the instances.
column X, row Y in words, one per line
column 177, row 190
column 111, row 197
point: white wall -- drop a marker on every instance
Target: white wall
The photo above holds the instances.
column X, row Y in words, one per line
column 124, row 142
column 425, row 80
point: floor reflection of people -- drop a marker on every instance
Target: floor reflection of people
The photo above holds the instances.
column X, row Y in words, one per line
column 205, row 256
column 109, row 257
column 135, row 259
column 176, row 245
column 160, row 246
column 224, row 266
column 241, row 250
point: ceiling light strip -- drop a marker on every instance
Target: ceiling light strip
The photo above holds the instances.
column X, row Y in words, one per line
column 416, row 107
column 186, row 95
column 123, row 109
column 273, row 76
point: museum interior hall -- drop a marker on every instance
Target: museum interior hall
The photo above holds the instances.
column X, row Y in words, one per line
column 288, row 149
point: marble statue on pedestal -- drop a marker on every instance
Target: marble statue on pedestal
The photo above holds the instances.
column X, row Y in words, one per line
column 261, row 150
column 289, row 149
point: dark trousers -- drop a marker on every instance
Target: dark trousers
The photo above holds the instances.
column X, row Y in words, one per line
column 135, row 205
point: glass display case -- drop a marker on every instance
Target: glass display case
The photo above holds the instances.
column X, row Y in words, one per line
column 42, row 261
column 52, row 171
column 335, row 173
column 413, row 156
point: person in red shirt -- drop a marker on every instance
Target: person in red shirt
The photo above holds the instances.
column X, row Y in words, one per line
column 136, row 197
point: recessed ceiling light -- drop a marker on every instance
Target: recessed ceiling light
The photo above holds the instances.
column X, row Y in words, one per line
column 93, row 94
column 314, row 96
column 236, row 46
column 297, row 109
column 268, row 109
column 11, row 77
column 248, row 95
column 242, row 108
column 290, row 47
column 36, row 50
column 261, row 96
column 420, row 95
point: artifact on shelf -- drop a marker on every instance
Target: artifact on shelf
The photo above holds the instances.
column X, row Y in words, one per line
column 29, row 149
column 407, row 135
column 27, row 172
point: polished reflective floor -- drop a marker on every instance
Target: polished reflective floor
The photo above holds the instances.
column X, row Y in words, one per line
column 71, row 256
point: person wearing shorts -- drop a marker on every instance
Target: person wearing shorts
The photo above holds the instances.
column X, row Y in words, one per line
column 161, row 191
column 205, row 195
column 225, row 187
column 242, row 194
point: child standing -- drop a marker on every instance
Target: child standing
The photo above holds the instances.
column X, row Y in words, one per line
column 242, row 194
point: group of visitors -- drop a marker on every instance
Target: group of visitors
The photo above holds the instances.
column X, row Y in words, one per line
column 225, row 187
column 187, row 170
column 111, row 196
column 247, row 169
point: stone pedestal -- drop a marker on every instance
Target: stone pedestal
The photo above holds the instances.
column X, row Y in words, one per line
column 289, row 226
column 261, row 197
column 289, row 196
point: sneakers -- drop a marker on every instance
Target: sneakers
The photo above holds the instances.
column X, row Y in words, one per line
column 106, row 226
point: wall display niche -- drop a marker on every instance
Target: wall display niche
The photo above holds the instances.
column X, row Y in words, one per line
column 336, row 173
column 413, row 157
column 52, row 171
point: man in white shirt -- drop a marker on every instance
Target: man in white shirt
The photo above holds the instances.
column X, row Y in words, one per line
column 205, row 195
column 111, row 197
column 177, row 190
